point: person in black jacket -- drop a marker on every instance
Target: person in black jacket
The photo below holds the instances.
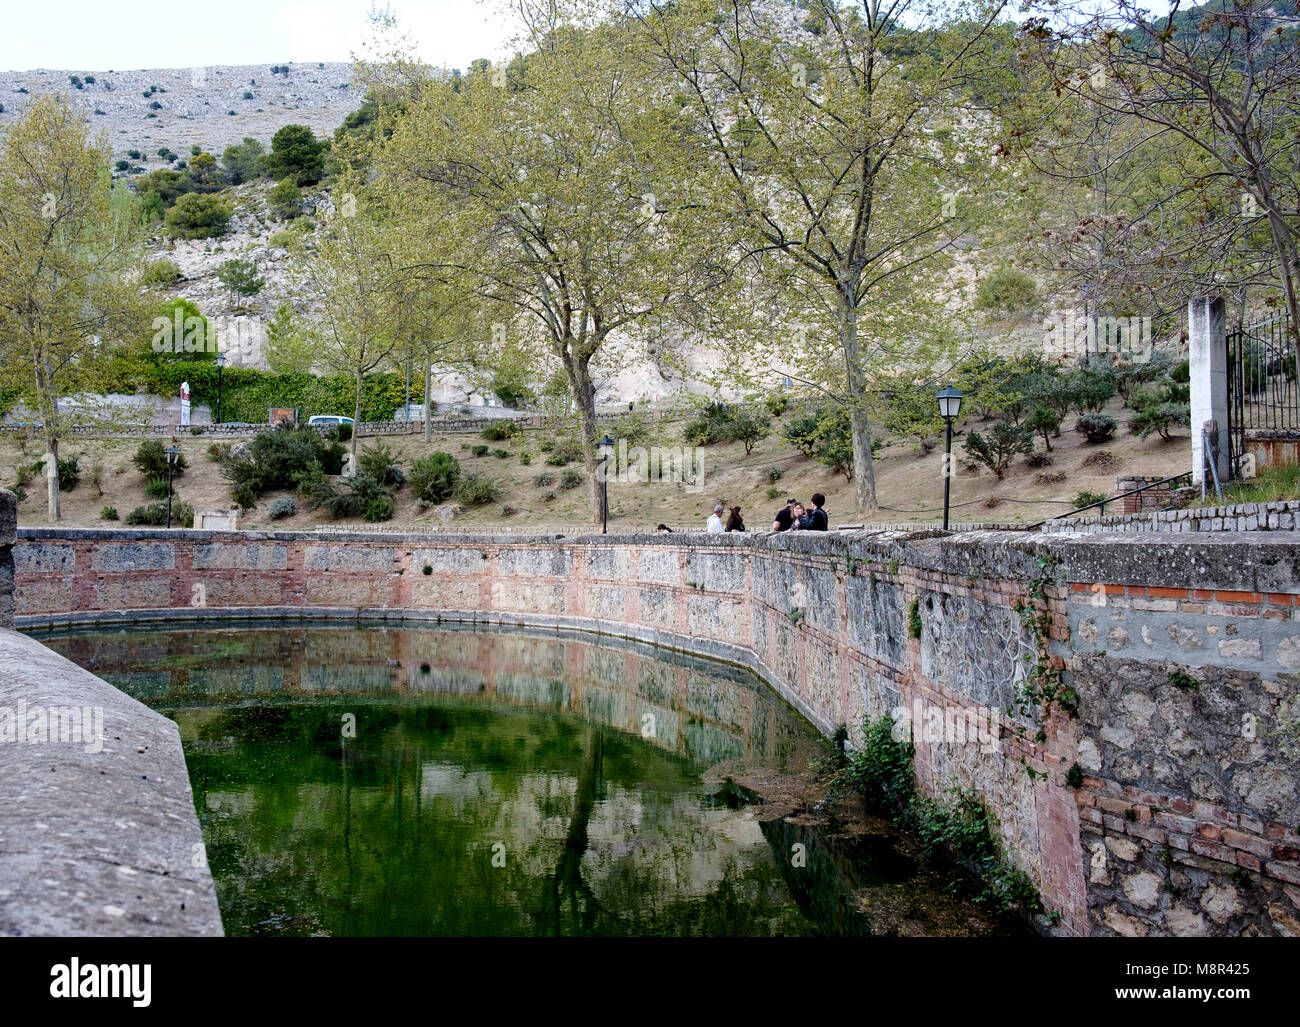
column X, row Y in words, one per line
column 784, row 519
column 817, row 518
column 735, row 522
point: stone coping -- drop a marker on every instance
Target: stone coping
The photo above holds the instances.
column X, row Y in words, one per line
column 99, row 836
column 1268, row 562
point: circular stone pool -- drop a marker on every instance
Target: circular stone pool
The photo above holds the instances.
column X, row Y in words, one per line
column 386, row 781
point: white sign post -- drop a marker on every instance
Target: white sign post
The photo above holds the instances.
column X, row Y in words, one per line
column 185, row 404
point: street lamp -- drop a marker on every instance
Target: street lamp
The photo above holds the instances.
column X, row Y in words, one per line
column 949, row 405
column 606, row 444
column 173, row 454
column 221, row 362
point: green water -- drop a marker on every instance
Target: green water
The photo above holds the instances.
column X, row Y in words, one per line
column 379, row 781
column 449, row 782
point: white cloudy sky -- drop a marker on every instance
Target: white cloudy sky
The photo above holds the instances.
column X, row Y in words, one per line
column 95, row 35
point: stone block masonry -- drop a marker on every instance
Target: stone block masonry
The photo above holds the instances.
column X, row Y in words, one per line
column 1168, row 805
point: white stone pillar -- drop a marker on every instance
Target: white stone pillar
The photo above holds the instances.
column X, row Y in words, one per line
column 1207, row 352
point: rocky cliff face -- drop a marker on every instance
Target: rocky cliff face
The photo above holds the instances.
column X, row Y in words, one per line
column 208, row 107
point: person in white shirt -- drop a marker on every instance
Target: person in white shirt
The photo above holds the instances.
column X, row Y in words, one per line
column 715, row 526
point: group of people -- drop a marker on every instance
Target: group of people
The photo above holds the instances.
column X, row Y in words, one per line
column 794, row 516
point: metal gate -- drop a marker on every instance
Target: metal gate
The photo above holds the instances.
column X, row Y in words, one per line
column 1263, row 393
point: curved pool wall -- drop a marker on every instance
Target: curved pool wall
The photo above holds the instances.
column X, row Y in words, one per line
column 1167, row 806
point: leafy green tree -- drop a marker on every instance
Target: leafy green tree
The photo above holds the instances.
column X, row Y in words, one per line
column 1004, row 442
column 244, row 162
column 240, row 277
column 1046, row 423
column 564, row 249
column 70, row 247
column 195, row 216
column 286, row 199
column 849, row 175
column 297, row 153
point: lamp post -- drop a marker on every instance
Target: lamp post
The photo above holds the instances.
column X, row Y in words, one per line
column 221, row 362
column 949, row 405
column 606, row 445
column 173, row 454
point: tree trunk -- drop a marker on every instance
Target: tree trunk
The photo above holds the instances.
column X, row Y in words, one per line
column 356, row 421
column 428, row 401
column 52, row 477
column 580, row 383
column 864, row 470
column 49, row 408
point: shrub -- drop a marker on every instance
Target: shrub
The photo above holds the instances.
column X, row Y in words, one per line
column 773, row 492
column 710, row 426
column 218, row 451
column 825, row 434
column 157, row 488
column 1092, row 387
column 160, row 272
column 571, row 479
column 1004, row 441
column 1097, row 427
column 776, row 405
column 745, row 427
column 501, row 454
column 1044, row 422
column 285, row 200
column 296, row 153
column 280, row 458
column 1182, row 372
column 1161, row 418
column 282, row 507
column 109, row 513
column 477, row 489
column 151, row 460
column 543, row 481
column 69, row 473
column 434, row 477
column 1086, row 498
column 343, row 433
column 500, row 430
column 1006, row 290
column 1039, row 459
column 525, row 458
column 380, row 462
column 565, row 451
column 197, row 216
column 363, row 496
column 379, row 508
column 155, row 515
column 774, row 473
column 479, row 450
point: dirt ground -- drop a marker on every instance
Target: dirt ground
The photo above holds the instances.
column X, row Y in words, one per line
column 909, row 485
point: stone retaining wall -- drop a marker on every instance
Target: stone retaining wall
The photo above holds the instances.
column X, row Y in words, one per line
column 1167, row 806
column 1283, row 515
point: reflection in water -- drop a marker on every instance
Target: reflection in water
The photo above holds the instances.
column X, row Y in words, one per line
column 383, row 781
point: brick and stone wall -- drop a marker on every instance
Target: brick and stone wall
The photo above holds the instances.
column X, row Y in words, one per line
column 1167, row 806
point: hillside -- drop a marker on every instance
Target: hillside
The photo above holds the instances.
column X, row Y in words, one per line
column 910, row 486
column 208, row 107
